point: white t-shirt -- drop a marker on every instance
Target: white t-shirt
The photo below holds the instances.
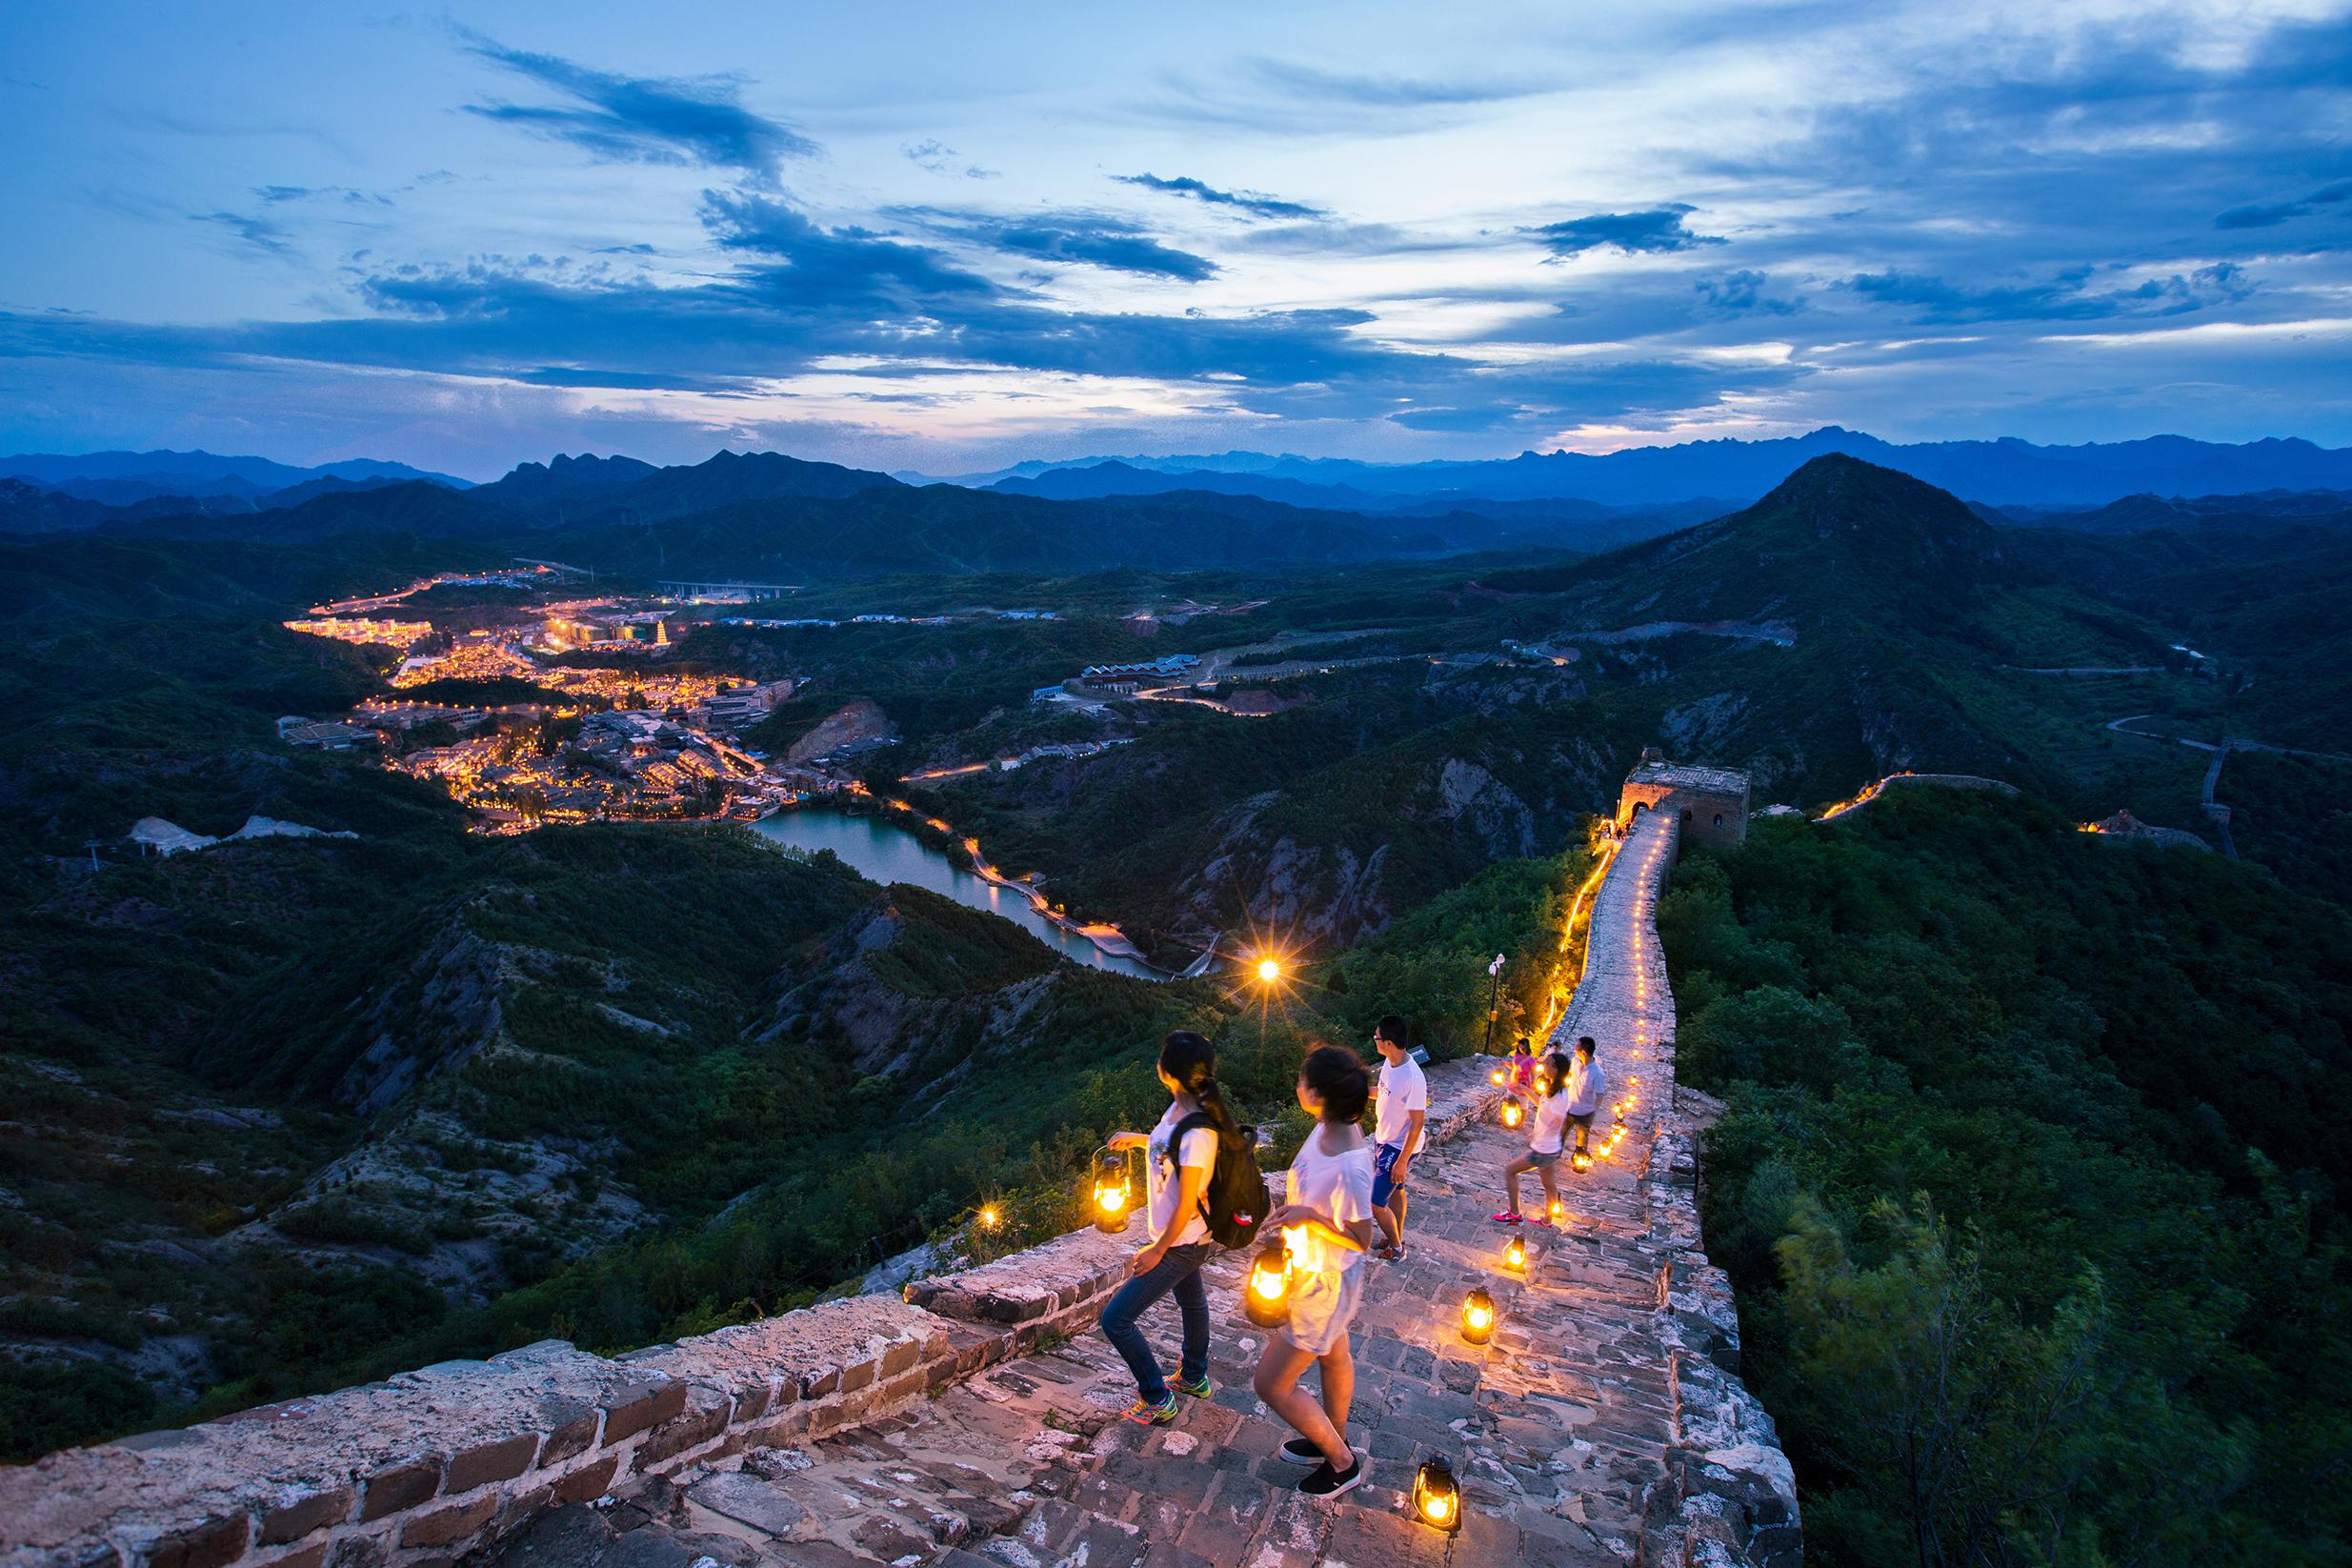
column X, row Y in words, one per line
column 1551, row 1124
column 1340, row 1186
column 1404, row 1088
column 1161, row 1185
column 1586, row 1084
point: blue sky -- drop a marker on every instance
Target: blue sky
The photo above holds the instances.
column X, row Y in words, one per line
column 947, row 237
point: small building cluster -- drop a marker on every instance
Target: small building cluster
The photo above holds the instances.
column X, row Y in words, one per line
column 1126, row 677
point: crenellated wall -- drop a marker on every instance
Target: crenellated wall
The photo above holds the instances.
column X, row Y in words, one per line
column 1623, row 1336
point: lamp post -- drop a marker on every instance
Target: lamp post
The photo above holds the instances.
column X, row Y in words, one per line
column 1494, row 999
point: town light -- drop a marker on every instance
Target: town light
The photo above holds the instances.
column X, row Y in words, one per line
column 989, row 1218
column 1267, row 1301
column 1113, row 1195
column 1437, row 1501
column 1511, row 1112
column 1515, row 1255
column 1478, row 1318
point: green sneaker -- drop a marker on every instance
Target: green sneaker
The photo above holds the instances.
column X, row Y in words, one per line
column 1143, row 1412
column 1200, row 1390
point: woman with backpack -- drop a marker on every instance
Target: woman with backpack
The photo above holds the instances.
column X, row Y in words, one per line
column 1179, row 1156
column 1326, row 1224
column 1543, row 1143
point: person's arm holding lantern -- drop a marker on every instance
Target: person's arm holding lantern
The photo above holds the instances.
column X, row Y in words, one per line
column 1119, row 1142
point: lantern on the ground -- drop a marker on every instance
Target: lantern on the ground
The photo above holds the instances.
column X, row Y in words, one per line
column 1437, row 1500
column 1511, row 1112
column 1114, row 1196
column 1478, row 1316
column 1514, row 1253
column 1580, row 1161
column 1557, row 1214
column 1266, row 1295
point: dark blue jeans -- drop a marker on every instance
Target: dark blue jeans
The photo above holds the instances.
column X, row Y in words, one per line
column 1178, row 1272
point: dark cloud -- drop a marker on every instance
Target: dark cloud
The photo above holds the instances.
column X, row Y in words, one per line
column 637, row 119
column 2068, row 297
column 1742, row 293
column 1656, row 230
column 939, row 159
column 2264, row 215
column 1253, row 203
column 258, row 233
column 1089, row 239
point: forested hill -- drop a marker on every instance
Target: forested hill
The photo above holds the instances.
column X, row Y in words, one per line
column 2033, row 1183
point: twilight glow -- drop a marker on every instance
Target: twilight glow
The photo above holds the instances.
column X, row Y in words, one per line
column 946, row 237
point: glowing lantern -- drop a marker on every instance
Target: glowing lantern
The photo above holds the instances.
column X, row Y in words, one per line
column 1437, row 1501
column 1267, row 1300
column 1511, row 1112
column 1496, row 1076
column 1559, row 1214
column 1580, row 1161
column 1112, row 1194
column 1515, row 1255
column 1478, row 1316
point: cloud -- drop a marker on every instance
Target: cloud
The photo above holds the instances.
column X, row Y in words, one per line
column 1658, row 231
column 259, row 233
column 2264, row 215
column 638, row 119
column 1090, row 239
column 278, row 194
column 1255, row 204
column 939, row 159
column 1378, row 92
column 2065, row 297
column 1742, row 293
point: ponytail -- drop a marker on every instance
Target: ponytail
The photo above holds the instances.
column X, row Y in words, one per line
column 1190, row 1063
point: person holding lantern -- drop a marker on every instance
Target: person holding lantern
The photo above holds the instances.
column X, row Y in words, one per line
column 1326, row 1224
column 1176, row 1174
column 1587, row 1086
column 1543, row 1143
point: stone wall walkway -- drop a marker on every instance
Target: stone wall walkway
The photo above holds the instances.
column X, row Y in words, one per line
column 1603, row 1425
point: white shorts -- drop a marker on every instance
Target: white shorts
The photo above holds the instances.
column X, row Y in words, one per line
column 1322, row 1306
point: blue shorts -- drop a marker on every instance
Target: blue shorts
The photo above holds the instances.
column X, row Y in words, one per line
column 1384, row 1162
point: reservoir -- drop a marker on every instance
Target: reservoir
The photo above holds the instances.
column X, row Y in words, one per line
column 881, row 851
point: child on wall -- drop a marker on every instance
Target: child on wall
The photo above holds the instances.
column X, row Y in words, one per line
column 1587, row 1086
column 1175, row 1175
column 1543, row 1143
column 1326, row 1224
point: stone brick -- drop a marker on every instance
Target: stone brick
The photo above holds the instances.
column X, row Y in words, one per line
column 501, row 1459
column 308, row 1557
column 635, row 1407
column 571, row 1427
column 704, row 1417
column 589, row 1482
column 294, row 1515
column 399, row 1486
column 215, row 1542
column 448, row 1526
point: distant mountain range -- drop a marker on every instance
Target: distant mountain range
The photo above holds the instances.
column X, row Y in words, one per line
column 2007, row 471
column 125, row 478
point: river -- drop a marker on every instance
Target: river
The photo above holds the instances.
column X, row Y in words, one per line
column 884, row 853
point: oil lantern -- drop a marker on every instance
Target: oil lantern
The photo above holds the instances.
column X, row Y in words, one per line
column 1112, row 1194
column 1514, row 1253
column 1437, row 1500
column 1511, row 1111
column 1478, row 1316
column 1266, row 1298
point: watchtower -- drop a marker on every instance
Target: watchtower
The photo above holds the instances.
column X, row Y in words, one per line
column 1712, row 802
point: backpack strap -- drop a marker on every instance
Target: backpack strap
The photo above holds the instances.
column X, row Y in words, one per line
column 1197, row 1121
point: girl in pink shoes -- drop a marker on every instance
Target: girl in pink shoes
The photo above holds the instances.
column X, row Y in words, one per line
column 1543, row 1143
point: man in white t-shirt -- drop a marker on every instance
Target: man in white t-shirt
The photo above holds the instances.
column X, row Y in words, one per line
column 1401, row 1114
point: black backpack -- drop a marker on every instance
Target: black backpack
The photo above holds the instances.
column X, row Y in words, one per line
column 1235, row 1198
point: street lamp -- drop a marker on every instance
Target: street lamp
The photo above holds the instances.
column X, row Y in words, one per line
column 1494, row 999
column 1269, row 969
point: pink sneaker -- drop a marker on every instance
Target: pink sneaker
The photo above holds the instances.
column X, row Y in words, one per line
column 1507, row 1218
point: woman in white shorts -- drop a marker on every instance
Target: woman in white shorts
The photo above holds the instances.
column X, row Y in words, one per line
column 1326, row 1224
column 1543, row 1142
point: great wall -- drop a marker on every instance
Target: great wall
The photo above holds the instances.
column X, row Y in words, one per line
column 973, row 1424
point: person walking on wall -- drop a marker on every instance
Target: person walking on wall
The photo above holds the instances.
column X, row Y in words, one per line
column 1175, row 1173
column 1400, row 1120
column 1587, row 1086
column 1543, row 1143
column 1326, row 1224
